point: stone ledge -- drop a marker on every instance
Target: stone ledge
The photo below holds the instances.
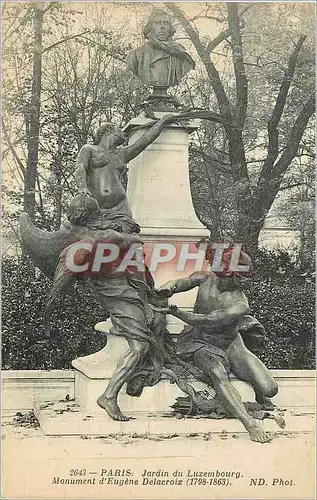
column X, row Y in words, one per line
column 188, row 233
column 9, row 375
column 294, row 374
column 22, row 388
column 66, row 418
column 161, row 396
column 37, row 374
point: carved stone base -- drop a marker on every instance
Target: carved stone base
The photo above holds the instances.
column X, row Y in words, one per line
column 93, row 372
column 150, row 412
column 101, row 364
column 161, row 101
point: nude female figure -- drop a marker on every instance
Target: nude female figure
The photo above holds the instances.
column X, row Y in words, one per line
column 100, row 168
column 98, row 175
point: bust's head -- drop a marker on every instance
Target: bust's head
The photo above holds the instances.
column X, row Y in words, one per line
column 159, row 25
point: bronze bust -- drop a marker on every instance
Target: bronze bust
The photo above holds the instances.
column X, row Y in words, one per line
column 160, row 62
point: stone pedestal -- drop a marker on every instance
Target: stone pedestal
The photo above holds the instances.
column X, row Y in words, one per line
column 160, row 199
column 93, row 372
column 83, row 416
column 158, row 183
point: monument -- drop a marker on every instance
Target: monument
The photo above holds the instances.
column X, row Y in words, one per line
column 157, row 153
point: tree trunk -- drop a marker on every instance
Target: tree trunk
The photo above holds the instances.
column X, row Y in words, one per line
column 34, row 113
column 58, row 186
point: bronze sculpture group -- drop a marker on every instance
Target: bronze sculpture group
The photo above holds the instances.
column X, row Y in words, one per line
column 211, row 344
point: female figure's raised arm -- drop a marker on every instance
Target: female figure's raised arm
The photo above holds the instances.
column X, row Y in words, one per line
column 147, row 138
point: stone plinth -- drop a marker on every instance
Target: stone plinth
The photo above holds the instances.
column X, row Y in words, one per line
column 158, row 183
column 93, row 372
column 160, row 199
column 67, row 419
column 149, row 413
column 296, row 398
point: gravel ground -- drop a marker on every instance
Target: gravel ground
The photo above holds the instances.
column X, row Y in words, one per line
column 190, row 466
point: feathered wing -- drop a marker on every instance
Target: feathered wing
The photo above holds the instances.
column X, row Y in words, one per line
column 45, row 247
column 62, row 281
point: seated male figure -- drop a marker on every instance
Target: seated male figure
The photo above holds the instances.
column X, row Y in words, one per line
column 212, row 342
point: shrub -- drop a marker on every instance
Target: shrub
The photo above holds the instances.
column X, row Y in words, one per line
column 282, row 297
column 279, row 264
column 287, row 313
column 24, row 293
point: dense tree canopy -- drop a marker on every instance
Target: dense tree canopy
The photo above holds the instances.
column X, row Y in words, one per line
column 64, row 73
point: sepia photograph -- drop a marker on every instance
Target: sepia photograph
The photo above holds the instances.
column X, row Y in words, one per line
column 158, row 250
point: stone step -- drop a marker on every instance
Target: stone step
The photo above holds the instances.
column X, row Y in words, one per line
column 66, row 418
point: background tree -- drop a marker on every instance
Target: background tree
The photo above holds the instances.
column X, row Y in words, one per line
column 288, row 93
column 254, row 66
column 297, row 208
column 62, row 90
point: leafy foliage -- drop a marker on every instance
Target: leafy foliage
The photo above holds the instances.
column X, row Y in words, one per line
column 282, row 297
column 72, row 321
column 287, row 312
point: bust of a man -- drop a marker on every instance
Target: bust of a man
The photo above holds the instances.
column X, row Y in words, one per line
column 160, row 62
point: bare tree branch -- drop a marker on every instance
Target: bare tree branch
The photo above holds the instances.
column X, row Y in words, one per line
column 223, row 101
column 245, row 9
column 226, row 33
column 198, row 16
column 70, row 37
column 297, row 184
column 11, row 146
column 295, row 137
column 273, row 149
column 217, row 164
column 218, row 39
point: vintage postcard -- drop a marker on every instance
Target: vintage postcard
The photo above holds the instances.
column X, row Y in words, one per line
column 158, row 250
